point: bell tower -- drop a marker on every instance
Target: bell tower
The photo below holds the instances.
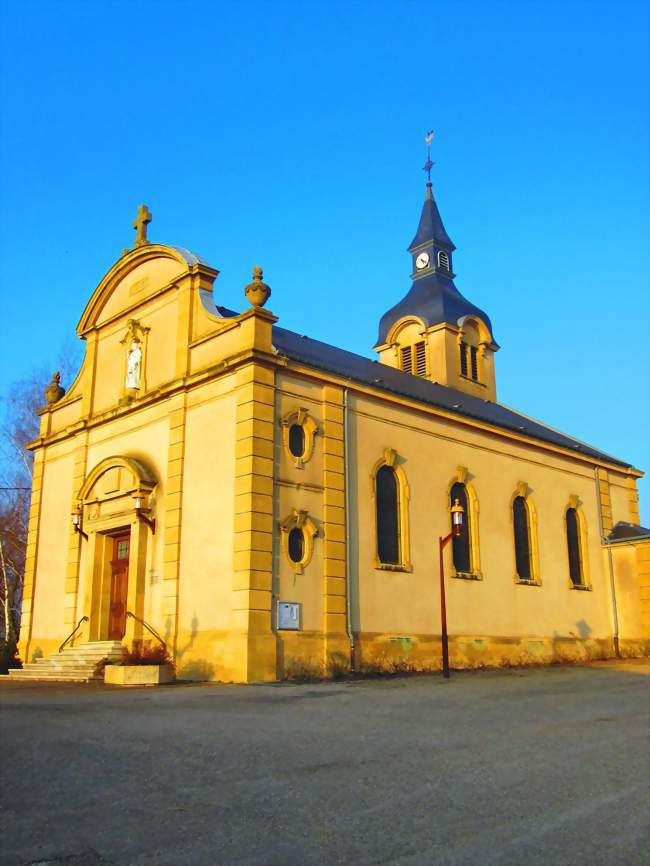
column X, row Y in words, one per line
column 434, row 331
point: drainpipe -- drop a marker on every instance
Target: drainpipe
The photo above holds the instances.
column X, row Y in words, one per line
column 346, row 481
column 275, row 577
column 612, row 583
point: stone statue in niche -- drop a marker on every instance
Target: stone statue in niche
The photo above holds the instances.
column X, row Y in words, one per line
column 134, row 365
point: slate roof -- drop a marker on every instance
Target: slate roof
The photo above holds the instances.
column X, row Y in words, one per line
column 623, row 531
column 358, row 368
column 190, row 257
column 207, row 299
column 430, row 226
column 433, row 299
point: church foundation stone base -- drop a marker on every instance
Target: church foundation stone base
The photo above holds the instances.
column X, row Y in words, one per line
column 243, row 658
column 395, row 653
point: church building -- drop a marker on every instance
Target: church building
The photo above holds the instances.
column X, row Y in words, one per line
column 270, row 506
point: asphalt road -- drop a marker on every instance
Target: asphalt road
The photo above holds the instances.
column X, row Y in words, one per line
column 547, row 766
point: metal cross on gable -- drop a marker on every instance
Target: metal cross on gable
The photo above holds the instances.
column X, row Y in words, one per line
column 140, row 225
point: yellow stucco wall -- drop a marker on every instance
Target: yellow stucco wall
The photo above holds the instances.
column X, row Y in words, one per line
column 300, row 488
column 48, row 623
column 408, row 602
column 206, row 565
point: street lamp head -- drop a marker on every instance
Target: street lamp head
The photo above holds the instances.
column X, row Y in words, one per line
column 457, row 517
column 75, row 516
column 137, row 501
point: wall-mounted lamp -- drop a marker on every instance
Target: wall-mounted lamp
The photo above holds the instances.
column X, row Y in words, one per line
column 139, row 512
column 77, row 521
column 457, row 515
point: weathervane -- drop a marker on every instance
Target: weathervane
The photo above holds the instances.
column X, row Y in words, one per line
column 428, row 165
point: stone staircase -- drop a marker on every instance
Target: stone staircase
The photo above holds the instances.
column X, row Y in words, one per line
column 72, row 665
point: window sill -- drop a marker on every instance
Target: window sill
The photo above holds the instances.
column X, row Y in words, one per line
column 467, row 575
column 580, row 587
column 520, row 582
column 473, row 381
column 389, row 566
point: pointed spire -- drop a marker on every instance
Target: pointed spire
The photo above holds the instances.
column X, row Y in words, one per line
column 430, row 228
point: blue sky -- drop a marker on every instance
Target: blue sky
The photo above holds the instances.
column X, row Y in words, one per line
column 290, row 134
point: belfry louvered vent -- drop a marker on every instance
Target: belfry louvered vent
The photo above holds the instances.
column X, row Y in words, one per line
column 406, row 359
column 463, row 359
column 420, row 359
column 443, row 261
column 474, row 361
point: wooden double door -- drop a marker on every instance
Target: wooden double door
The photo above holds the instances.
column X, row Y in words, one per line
column 119, row 586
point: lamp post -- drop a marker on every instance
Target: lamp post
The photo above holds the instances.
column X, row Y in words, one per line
column 457, row 515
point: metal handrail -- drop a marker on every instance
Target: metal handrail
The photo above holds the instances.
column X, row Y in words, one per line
column 73, row 632
column 148, row 627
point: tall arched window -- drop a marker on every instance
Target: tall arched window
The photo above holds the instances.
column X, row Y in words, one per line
column 461, row 544
column 522, row 538
column 573, row 547
column 470, row 365
column 387, row 504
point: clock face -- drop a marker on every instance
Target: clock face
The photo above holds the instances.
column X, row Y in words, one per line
column 422, row 261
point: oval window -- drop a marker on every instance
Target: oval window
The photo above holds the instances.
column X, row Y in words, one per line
column 296, row 545
column 296, row 440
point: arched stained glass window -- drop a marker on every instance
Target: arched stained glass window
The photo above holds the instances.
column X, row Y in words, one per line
column 573, row 547
column 461, row 543
column 522, row 538
column 387, row 516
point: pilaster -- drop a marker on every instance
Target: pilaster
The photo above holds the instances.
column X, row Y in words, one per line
column 173, row 516
column 31, row 554
column 89, row 367
column 643, row 571
column 136, row 586
column 604, row 494
column 75, row 540
column 633, row 501
column 254, row 649
column 336, row 640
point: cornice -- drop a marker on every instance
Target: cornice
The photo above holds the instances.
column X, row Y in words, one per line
column 225, row 367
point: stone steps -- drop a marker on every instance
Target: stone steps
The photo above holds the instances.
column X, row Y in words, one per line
column 72, row 664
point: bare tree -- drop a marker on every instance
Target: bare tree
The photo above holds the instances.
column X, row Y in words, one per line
column 19, row 425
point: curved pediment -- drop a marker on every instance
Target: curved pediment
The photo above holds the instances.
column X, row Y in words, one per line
column 118, row 475
column 136, row 276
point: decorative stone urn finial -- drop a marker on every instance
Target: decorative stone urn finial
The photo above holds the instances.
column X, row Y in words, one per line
column 257, row 292
column 54, row 391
